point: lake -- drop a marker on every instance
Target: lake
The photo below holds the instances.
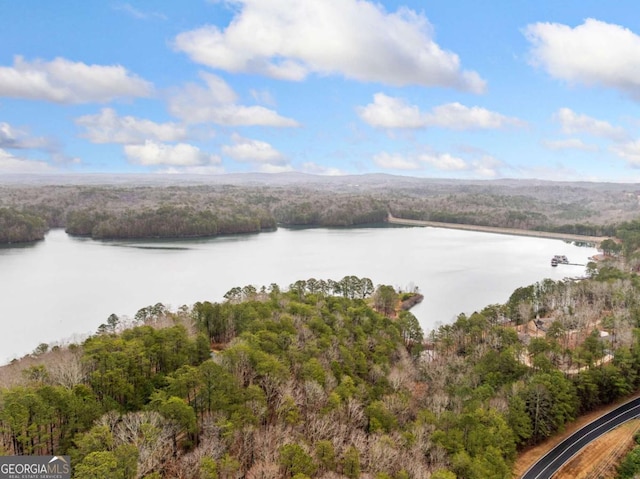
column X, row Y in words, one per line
column 63, row 288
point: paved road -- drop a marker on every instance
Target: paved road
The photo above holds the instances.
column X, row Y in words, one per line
column 549, row 464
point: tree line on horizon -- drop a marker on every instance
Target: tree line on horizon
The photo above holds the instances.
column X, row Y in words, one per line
column 104, row 212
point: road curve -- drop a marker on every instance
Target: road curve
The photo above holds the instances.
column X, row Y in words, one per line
column 549, row 464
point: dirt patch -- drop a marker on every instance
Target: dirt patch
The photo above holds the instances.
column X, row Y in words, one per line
column 529, row 456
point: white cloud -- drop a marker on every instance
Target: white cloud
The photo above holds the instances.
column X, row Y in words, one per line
column 9, row 136
column 439, row 161
column 263, row 96
column 253, row 151
column 10, row 164
column 218, row 91
column 316, row 169
column 390, row 112
column 108, row 127
column 192, row 170
column 629, row 151
column 444, row 161
column 217, row 104
column 62, row 159
column 14, row 138
column 569, row 144
column 152, row 153
column 574, row 123
column 459, row 117
column 289, row 39
column 485, row 166
column 137, row 13
column 396, row 161
column 64, row 81
column 594, row 53
column 270, row 168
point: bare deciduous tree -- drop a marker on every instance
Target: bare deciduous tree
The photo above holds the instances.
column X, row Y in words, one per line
column 148, row 432
column 66, row 368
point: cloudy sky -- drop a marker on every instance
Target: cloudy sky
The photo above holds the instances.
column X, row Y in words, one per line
column 449, row 89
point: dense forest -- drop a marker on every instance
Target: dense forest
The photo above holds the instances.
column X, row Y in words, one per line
column 20, row 226
column 326, row 379
column 225, row 206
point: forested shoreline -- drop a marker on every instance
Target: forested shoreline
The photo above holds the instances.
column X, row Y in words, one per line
column 326, row 379
column 20, row 226
column 197, row 210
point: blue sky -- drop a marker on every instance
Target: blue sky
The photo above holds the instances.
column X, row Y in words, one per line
column 440, row 89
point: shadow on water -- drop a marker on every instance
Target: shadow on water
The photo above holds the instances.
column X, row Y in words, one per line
column 184, row 243
column 176, row 248
column 145, row 244
column 189, row 243
column 18, row 246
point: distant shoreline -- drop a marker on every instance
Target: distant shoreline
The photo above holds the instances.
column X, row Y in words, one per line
column 497, row 230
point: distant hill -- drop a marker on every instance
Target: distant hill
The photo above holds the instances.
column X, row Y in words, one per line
column 250, row 202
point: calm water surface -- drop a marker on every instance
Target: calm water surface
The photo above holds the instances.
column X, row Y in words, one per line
column 63, row 288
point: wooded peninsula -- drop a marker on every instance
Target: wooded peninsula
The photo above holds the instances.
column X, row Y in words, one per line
column 328, row 378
